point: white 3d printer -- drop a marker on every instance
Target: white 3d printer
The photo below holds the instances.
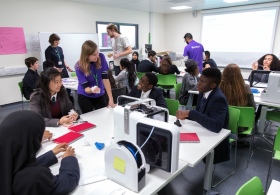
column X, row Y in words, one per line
column 144, row 127
column 272, row 92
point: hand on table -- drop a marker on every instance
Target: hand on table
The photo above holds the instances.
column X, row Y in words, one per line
column 47, row 135
column 60, row 148
column 66, row 119
column 182, row 114
column 69, row 152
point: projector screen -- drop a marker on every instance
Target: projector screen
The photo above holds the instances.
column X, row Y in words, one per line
column 240, row 37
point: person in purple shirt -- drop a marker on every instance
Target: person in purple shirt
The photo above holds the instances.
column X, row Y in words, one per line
column 193, row 50
column 92, row 75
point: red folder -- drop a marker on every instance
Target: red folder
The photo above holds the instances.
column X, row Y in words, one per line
column 82, row 127
column 68, row 138
column 189, row 137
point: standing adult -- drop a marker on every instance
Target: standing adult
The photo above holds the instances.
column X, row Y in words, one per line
column 120, row 45
column 92, row 74
column 193, row 50
column 55, row 54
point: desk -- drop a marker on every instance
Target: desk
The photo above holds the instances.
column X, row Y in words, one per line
column 90, row 159
column 274, row 188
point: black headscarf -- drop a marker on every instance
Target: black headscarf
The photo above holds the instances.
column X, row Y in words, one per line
column 21, row 134
column 136, row 62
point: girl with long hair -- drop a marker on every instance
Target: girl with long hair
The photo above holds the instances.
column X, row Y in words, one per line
column 166, row 66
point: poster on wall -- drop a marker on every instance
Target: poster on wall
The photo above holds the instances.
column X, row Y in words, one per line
column 12, row 41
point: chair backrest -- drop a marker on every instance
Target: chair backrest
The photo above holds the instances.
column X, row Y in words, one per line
column 178, row 87
column 20, row 87
column 117, row 92
column 251, row 187
column 172, row 105
column 167, row 79
column 140, row 74
column 73, row 74
column 247, row 116
column 234, row 115
column 276, row 145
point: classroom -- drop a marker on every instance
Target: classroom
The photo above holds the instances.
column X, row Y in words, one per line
column 165, row 31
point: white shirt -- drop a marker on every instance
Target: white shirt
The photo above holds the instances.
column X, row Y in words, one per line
column 119, row 44
column 146, row 94
column 205, row 95
column 55, row 96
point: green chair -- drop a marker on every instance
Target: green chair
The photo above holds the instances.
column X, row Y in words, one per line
column 140, row 74
column 247, row 119
column 178, row 87
column 172, row 105
column 251, row 187
column 73, row 74
column 22, row 96
column 167, row 82
column 234, row 115
column 275, row 155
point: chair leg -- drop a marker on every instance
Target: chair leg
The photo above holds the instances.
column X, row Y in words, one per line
column 251, row 152
column 268, row 173
column 234, row 168
column 22, row 103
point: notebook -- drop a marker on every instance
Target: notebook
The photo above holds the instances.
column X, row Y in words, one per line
column 68, row 138
column 189, row 137
column 82, row 127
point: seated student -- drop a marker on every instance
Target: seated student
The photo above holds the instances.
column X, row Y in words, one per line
column 51, row 100
column 266, row 62
column 166, row 66
column 30, row 79
column 189, row 82
column 127, row 76
column 49, row 64
column 208, row 62
column 21, row 135
column 211, row 110
column 135, row 59
column 146, row 88
column 148, row 65
column 237, row 92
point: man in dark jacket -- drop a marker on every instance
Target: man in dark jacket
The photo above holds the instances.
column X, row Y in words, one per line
column 146, row 88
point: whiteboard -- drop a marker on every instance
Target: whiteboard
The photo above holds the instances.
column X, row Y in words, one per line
column 71, row 44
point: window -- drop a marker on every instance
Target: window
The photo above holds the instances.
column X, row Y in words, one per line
column 128, row 30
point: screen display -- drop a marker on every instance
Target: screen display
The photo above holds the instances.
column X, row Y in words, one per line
column 157, row 150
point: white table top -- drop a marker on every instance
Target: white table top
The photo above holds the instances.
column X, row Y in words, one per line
column 70, row 83
column 91, row 160
column 274, row 188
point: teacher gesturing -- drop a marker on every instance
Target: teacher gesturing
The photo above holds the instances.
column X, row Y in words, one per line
column 55, row 54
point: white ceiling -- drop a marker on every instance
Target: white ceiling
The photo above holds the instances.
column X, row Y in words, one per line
column 163, row 6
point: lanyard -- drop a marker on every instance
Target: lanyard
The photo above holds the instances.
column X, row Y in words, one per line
column 95, row 76
column 57, row 53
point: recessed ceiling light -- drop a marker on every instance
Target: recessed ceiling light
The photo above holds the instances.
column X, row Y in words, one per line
column 180, row 7
column 234, row 1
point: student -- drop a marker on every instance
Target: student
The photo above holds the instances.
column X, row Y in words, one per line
column 21, row 135
column 127, row 76
column 166, row 66
column 30, row 79
column 48, row 64
column 120, row 45
column 92, row 75
column 146, row 88
column 148, row 65
column 135, row 59
column 189, row 82
column 234, row 88
column 211, row 110
column 208, row 62
column 193, row 50
column 51, row 100
column 266, row 62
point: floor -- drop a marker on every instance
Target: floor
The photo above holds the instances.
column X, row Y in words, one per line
column 190, row 182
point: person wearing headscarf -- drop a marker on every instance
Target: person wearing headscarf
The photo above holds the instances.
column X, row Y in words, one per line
column 135, row 59
column 21, row 134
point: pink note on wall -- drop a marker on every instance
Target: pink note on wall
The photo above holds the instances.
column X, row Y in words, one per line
column 12, row 41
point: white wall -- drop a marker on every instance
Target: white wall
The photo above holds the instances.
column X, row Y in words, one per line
column 61, row 16
column 179, row 24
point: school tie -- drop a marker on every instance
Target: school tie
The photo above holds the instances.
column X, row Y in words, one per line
column 53, row 100
column 202, row 104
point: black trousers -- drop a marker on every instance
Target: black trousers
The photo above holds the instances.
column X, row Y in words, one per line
column 88, row 104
